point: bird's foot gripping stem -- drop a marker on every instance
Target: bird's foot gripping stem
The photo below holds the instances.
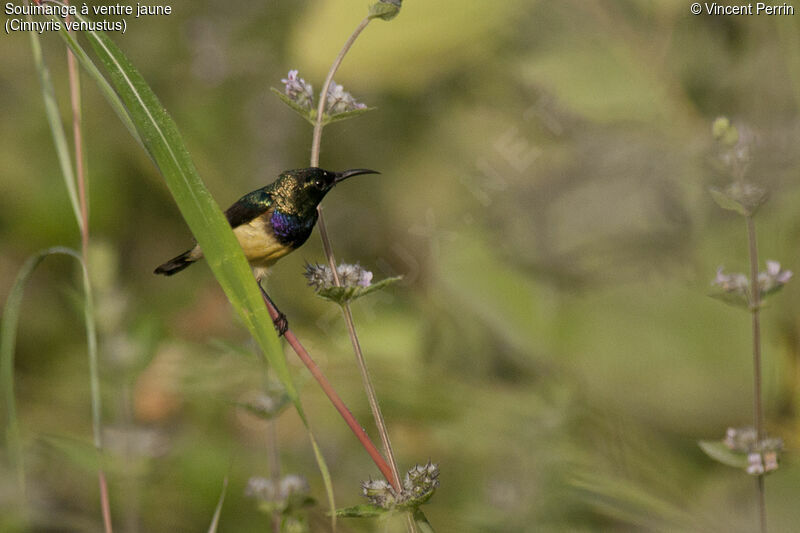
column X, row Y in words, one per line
column 281, row 322
column 279, row 319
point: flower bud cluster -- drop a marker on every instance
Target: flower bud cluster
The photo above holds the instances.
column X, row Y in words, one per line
column 298, row 90
column 419, row 484
column 379, row 492
column 268, row 491
column 738, row 284
column 321, row 277
column 762, row 455
column 341, row 101
column 774, row 278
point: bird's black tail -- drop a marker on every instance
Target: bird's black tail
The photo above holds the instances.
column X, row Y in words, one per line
column 175, row 265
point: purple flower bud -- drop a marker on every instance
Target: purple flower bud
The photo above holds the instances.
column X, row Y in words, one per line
column 298, row 90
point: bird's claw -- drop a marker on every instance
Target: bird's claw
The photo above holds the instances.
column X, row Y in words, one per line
column 281, row 324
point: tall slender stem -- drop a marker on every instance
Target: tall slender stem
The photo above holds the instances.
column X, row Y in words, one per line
column 75, row 101
column 755, row 304
column 77, row 130
column 315, row 143
column 326, row 244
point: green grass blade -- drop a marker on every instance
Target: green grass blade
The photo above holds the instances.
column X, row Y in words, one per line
column 326, row 477
column 8, row 341
column 221, row 250
column 56, row 127
column 91, row 346
column 215, row 520
column 65, row 162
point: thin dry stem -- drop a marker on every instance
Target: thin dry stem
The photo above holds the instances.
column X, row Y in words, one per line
column 315, row 143
column 755, row 303
column 326, row 244
column 75, row 101
column 77, row 130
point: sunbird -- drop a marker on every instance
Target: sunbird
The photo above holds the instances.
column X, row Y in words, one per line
column 273, row 221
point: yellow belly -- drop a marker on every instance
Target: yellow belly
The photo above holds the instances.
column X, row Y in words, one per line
column 261, row 248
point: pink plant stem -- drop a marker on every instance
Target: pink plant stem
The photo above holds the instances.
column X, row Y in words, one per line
column 336, row 400
column 77, row 131
column 758, row 409
column 104, row 504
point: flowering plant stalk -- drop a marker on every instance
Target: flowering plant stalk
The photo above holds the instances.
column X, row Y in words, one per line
column 749, row 448
column 343, row 283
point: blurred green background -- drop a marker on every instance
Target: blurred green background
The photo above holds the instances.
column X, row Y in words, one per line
column 545, row 168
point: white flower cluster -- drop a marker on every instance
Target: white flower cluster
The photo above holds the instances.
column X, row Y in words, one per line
column 298, row 90
column 340, row 101
column 774, row 277
column 731, row 282
column 762, row 455
column 266, row 490
column 321, row 277
column 768, row 281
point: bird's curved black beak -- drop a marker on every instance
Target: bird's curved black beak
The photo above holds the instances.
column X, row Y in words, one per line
column 341, row 176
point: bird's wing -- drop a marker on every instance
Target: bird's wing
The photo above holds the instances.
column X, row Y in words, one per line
column 248, row 207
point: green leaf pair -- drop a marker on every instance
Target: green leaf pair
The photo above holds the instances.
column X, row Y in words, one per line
column 343, row 295
column 373, row 511
column 741, row 197
column 310, row 115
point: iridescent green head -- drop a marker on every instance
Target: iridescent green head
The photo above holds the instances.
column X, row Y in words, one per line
column 299, row 192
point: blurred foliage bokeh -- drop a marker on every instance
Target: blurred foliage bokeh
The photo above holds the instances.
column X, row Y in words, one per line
column 544, row 193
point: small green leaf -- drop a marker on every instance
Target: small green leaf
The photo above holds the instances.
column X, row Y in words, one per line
column 726, row 202
column 56, row 127
column 308, row 114
column 8, row 341
column 718, row 451
column 734, row 298
column 342, row 295
column 344, row 115
column 743, row 197
column 364, row 510
column 385, row 9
